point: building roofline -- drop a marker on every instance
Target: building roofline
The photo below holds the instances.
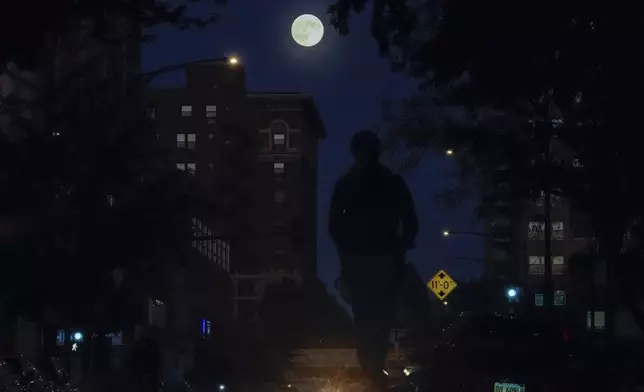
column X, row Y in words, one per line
column 309, row 102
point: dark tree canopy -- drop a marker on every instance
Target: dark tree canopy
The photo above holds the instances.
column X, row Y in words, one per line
column 94, row 195
column 33, row 25
column 87, row 192
column 502, row 83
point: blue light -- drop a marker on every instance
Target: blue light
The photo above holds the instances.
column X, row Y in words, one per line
column 205, row 327
column 77, row 336
column 512, row 293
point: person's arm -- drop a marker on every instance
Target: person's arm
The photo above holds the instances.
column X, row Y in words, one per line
column 408, row 217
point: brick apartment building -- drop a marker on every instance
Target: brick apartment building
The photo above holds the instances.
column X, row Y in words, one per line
column 255, row 158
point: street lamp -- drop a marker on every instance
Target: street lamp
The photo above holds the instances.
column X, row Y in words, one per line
column 149, row 76
column 449, row 152
column 447, row 233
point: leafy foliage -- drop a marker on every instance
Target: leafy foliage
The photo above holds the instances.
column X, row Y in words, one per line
column 537, row 97
column 86, row 192
column 35, row 25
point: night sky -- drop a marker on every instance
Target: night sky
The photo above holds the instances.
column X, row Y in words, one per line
column 348, row 80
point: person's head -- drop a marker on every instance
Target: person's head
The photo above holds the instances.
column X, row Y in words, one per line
column 365, row 147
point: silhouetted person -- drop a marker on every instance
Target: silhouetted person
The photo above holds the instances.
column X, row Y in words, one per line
column 373, row 222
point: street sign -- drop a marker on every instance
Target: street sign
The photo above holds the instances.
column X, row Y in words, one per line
column 441, row 285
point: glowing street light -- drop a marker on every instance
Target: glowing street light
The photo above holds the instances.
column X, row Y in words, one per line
column 449, row 152
column 512, row 294
column 447, row 233
column 233, row 60
column 445, row 303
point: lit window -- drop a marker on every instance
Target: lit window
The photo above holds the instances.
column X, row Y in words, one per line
column 211, row 111
column 536, row 230
column 192, row 168
column 278, row 167
column 558, row 266
column 280, row 196
column 186, row 110
column 60, row 337
column 536, row 265
column 559, row 298
column 600, row 319
column 181, row 140
column 538, row 299
column 181, row 166
column 192, row 139
column 279, row 139
column 557, row 231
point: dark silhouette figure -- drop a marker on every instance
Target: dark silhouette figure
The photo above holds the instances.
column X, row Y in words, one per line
column 373, row 222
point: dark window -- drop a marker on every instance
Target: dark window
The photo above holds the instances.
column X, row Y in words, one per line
column 294, row 140
column 264, row 141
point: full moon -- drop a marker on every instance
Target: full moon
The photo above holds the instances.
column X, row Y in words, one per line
column 307, row 30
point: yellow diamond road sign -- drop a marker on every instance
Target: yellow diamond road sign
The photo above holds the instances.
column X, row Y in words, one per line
column 441, row 284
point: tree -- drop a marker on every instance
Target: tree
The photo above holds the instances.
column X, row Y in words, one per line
column 97, row 196
column 33, row 25
column 561, row 91
column 88, row 195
